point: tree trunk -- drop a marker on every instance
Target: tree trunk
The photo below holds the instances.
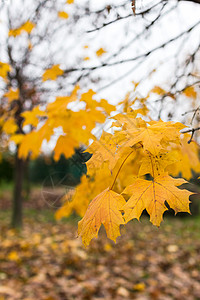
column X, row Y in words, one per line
column 27, row 185
column 16, row 221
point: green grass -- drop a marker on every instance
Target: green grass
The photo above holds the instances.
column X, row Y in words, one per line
column 6, row 186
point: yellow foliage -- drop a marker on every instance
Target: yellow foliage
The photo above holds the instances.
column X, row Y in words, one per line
column 135, row 149
column 151, row 195
column 52, row 73
column 100, row 52
column 27, row 27
column 89, row 187
column 65, row 145
column 4, row 69
column 63, row 14
column 190, row 92
column 76, row 125
column 9, row 126
column 12, row 94
column 187, row 158
column 158, row 90
column 32, row 117
column 32, row 142
column 17, row 138
column 104, row 209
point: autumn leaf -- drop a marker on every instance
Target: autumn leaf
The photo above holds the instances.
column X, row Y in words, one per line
column 156, row 164
column 100, row 52
column 158, row 90
column 190, row 92
column 32, row 142
column 104, row 209
column 27, row 27
column 61, row 102
column 12, row 94
column 63, row 14
column 186, row 156
column 103, row 150
column 70, row 1
column 153, row 135
column 4, row 69
column 32, row 117
column 53, row 73
column 151, row 195
column 10, row 126
column 65, row 145
column 17, row 138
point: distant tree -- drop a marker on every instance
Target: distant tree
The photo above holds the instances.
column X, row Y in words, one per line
column 32, row 35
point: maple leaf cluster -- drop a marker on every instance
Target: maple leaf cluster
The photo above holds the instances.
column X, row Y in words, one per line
column 76, row 125
column 135, row 150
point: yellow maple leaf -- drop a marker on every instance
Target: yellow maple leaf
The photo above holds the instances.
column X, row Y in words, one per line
column 65, row 145
column 104, row 209
column 91, row 185
column 156, row 164
column 52, row 73
column 63, row 14
column 107, row 107
column 32, row 117
column 100, row 52
column 190, row 92
column 32, row 142
column 187, row 156
column 151, row 195
column 4, row 69
column 17, row 138
column 27, row 27
column 61, row 102
column 12, row 94
column 158, row 90
column 152, row 136
column 103, row 150
column 10, row 126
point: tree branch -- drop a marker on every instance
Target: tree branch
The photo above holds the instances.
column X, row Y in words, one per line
column 195, row 1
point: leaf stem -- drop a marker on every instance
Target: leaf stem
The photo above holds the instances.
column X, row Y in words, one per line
column 120, row 169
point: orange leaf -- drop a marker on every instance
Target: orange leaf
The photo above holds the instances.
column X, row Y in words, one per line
column 100, row 52
column 4, row 69
column 151, row 195
column 65, row 145
column 12, row 94
column 63, row 14
column 53, row 73
column 190, row 92
column 27, row 27
column 104, row 209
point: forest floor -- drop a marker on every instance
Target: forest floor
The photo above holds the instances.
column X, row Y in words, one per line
column 46, row 260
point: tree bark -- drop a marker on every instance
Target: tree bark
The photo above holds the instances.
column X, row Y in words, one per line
column 17, row 211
